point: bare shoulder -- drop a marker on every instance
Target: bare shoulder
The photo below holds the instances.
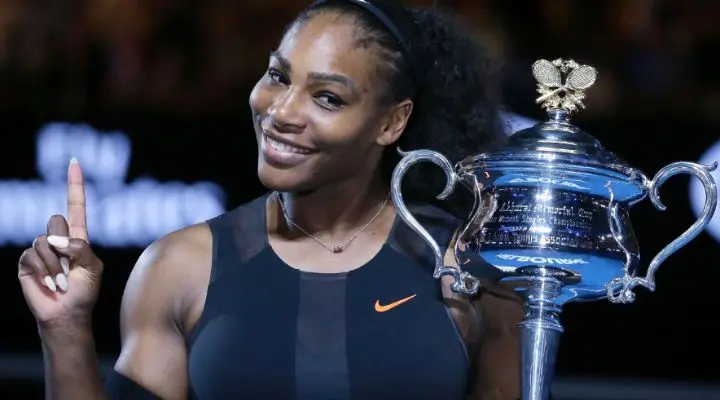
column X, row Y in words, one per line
column 166, row 282
column 173, row 270
column 179, row 248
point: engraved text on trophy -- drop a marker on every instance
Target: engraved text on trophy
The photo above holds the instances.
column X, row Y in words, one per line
column 558, row 220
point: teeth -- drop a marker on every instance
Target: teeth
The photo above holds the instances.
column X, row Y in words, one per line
column 285, row 148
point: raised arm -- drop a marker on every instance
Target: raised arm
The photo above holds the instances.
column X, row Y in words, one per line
column 60, row 278
column 154, row 356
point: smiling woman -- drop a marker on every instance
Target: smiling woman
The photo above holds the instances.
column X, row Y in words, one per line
column 315, row 290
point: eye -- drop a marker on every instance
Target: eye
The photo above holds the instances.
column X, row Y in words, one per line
column 277, row 76
column 329, row 101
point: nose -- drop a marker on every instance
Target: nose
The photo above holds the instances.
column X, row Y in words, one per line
column 285, row 113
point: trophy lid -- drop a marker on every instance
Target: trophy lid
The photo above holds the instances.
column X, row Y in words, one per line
column 556, row 143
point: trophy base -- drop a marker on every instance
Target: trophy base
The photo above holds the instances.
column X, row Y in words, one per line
column 541, row 328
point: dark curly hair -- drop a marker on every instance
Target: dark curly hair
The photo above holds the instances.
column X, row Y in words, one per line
column 455, row 111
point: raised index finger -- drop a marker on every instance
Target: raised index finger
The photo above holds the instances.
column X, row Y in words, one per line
column 76, row 210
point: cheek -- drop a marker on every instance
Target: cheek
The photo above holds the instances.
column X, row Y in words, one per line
column 346, row 133
column 348, row 150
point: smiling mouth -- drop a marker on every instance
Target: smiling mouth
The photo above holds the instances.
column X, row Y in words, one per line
column 284, row 147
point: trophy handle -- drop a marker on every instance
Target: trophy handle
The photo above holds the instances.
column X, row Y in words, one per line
column 620, row 290
column 464, row 283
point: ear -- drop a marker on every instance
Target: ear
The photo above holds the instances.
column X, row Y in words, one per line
column 395, row 122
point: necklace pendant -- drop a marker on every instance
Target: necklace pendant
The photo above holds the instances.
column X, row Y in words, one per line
column 338, row 248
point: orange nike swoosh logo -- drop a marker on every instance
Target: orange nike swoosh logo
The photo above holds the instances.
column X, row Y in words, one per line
column 388, row 307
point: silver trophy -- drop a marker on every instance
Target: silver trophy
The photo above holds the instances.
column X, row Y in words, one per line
column 552, row 211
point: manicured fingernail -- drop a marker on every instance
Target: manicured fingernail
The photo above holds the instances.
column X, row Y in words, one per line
column 65, row 264
column 60, row 242
column 62, row 282
column 50, row 283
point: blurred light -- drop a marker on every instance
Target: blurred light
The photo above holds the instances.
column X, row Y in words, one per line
column 545, row 196
column 119, row 214
column 697, row 193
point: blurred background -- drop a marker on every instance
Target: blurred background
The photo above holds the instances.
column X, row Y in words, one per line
column 151, row 96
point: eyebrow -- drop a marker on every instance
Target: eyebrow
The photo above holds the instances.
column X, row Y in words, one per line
column 340, row 79
column 284, row 62
column 316, row 76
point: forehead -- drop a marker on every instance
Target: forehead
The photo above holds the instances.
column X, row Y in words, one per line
column 327, row 43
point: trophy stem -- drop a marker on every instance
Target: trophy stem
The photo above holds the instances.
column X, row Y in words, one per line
column 541, row 331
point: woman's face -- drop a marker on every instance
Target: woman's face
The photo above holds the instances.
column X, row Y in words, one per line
column 317, row 112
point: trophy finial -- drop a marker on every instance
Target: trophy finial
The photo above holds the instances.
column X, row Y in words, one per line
column 556, row 94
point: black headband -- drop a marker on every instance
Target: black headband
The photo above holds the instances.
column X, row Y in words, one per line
column 400, row 23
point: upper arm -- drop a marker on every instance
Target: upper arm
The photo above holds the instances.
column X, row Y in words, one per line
column 490, row 323
column 160, row 287
column 498, row 355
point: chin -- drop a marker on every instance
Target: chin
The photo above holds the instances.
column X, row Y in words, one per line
column 280, row 180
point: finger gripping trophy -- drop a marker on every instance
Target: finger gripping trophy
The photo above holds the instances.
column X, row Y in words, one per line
column 552, row 211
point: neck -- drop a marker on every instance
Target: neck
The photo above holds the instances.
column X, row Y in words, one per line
column 335, row 211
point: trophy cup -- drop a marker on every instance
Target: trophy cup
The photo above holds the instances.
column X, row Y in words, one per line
column 552, row 211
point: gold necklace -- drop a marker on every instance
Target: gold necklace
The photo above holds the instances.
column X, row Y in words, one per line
column 340, row 247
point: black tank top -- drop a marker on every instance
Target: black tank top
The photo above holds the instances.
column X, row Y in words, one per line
column 269, row 331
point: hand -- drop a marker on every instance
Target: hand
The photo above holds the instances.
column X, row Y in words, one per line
column 60, row 274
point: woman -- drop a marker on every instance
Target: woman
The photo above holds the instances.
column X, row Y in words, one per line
column 316, row 290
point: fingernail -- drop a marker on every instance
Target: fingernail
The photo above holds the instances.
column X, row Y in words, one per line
column 62, row 282
column 50, row 283
column 65, row 264
column 74, row 161
column 60, row 242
